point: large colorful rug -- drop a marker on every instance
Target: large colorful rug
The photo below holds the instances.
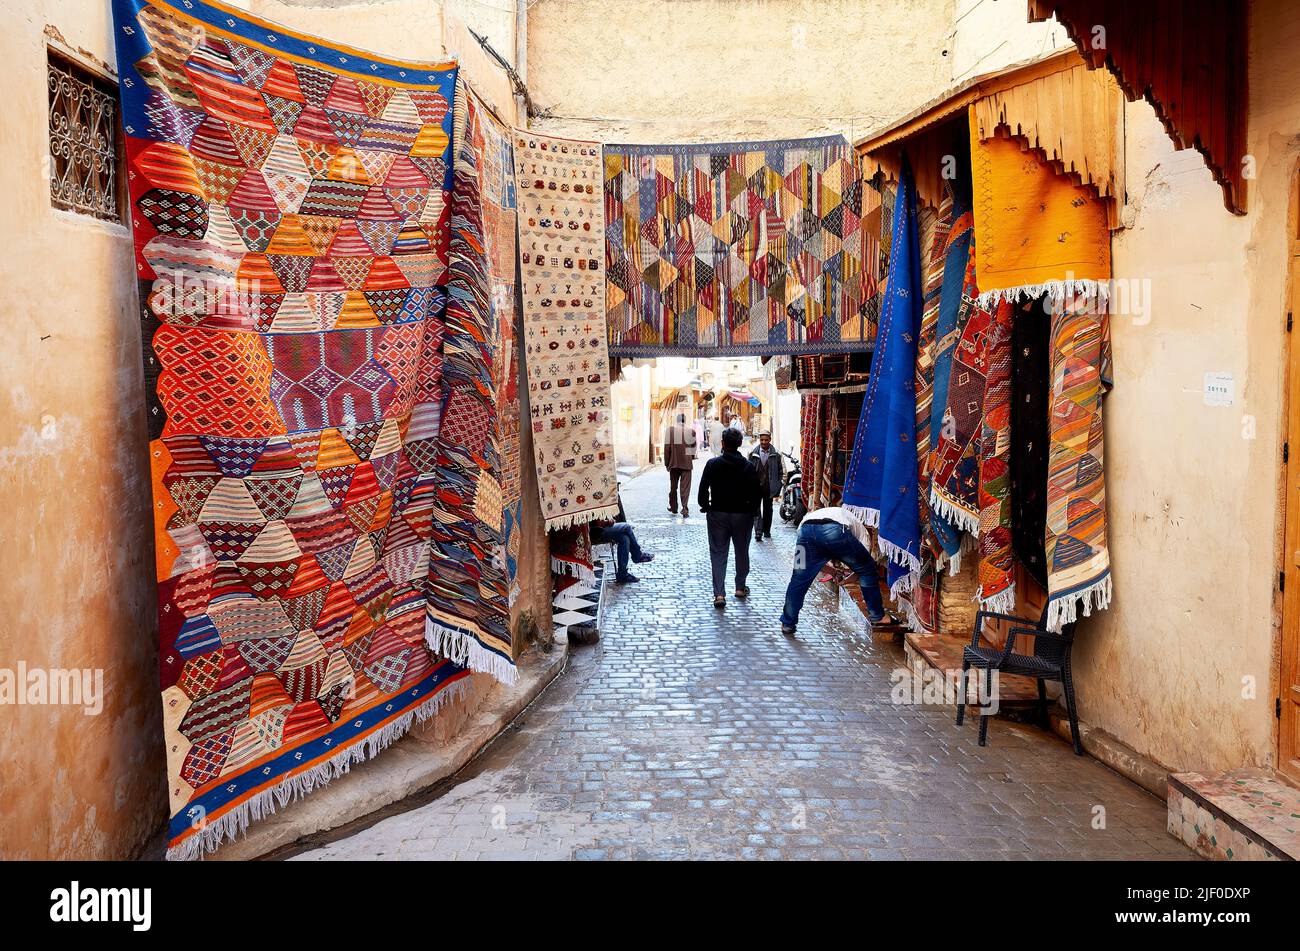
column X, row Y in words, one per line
column 291, row 231
column 734, row 248
column 881, row 482
column 562, row 259
column 468, row 611
column 1078, row 560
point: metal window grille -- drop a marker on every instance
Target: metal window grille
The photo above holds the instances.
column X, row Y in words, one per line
column 86, row 167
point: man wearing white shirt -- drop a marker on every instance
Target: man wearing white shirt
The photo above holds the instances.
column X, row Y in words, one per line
column 831, row 534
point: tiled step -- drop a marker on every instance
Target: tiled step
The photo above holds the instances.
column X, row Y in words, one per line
column 1237, row 814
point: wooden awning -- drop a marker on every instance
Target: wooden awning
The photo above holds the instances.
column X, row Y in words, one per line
column 1187, row 57
column 1056, row 105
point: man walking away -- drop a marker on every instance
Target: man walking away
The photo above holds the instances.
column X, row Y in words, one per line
column 679, row 457
column 771, row 477
column 619, row 532
column 715, row 436
column 831, row 534
column 729, row 498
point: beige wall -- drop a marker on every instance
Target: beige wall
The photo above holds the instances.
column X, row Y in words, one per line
column 701, row 70
column 1192, row 503
column 76, row 563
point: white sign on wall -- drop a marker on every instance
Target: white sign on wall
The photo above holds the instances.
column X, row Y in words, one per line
column 1218, row 389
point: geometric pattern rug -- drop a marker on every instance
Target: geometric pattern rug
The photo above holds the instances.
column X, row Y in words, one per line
column 734, row 248
column 289, row 212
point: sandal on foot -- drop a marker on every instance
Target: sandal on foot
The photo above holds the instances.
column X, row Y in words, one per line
column 720, row 602
column 742, row 594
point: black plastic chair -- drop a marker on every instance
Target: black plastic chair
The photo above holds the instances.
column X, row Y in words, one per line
column 1049, row 661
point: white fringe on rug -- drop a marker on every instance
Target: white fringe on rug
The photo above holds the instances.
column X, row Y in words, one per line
column 954, row 562
column 573, row 569
column 966, row 521
column 913, row 619
column 266, row 803
column 460, row 648
column 868, row 517
column 904, row 585
column 899, row 556
column 1004, row 602
column 582, row 518
column 1064, row 610
column 1058, row 291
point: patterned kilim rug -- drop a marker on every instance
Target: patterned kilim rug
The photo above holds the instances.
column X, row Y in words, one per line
column 493, row 145
column 291, row 225
column 468, row 610
column 881, row 482
column 1078, row 559
column 954, row 460
column 997, row 584
column 735, row 248
column 562, row 259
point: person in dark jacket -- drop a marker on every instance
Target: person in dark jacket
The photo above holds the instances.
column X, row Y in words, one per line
column 771, row 477
column 728, row 497
column 679, row 457
column 619, row 533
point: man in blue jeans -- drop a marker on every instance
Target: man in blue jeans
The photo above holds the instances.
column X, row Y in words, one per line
column 619, row 533
column 831, row 534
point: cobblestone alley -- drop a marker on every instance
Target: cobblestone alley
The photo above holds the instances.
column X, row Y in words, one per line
column 691, row 733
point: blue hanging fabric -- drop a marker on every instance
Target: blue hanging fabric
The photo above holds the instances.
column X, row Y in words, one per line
column 881, row 483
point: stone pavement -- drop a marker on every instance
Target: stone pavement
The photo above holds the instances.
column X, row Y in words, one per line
column 693, row 733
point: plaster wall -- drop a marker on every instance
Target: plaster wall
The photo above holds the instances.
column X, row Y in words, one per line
column 722, row 70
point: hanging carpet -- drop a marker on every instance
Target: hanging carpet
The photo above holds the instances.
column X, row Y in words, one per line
column 468, row 602
column 290, row 221
column 562, row 258
column 881, row 482
column 735, row 248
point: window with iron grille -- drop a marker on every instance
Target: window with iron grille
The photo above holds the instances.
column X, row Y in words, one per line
column 86, row 167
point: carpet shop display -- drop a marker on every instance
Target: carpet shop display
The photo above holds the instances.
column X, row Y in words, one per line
column 1040, row 236
column 561, row 257
column 468, row 603
column 881, row 482
column 735, row 248
column 291, row 233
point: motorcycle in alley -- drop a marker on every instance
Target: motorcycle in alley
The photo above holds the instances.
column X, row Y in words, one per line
column 793, row 506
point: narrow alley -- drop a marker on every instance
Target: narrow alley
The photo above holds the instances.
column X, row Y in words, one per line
column 689, row 733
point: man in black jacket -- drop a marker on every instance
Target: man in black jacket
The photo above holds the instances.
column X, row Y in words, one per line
column 771, row 476
column 729, row 496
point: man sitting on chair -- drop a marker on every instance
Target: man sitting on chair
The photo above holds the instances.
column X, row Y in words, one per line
column 620, row 534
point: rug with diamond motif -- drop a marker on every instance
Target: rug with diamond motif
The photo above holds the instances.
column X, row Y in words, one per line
column 290, row 219
column 735, row 248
